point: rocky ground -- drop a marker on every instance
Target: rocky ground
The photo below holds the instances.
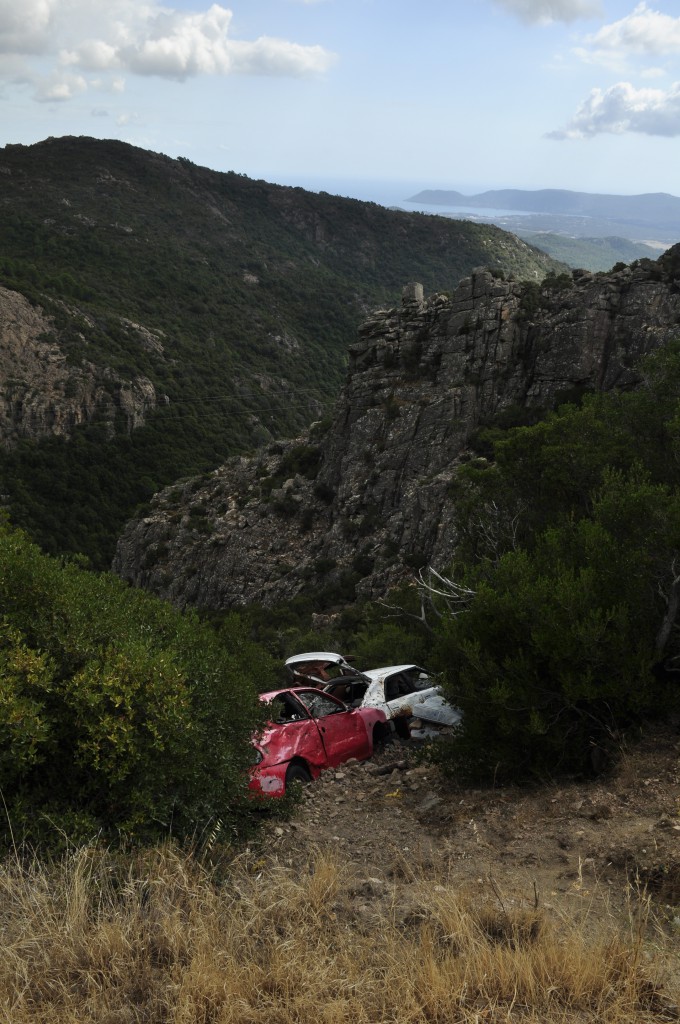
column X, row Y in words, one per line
column 603, row 848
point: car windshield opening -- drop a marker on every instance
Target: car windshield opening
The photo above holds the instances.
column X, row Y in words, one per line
column 319, row 705
column 409, row 680
column 350, row 691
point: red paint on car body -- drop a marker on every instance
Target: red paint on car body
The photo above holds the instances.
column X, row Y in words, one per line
column 311, row 729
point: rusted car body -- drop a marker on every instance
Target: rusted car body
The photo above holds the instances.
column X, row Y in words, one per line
column 406, row 693
column 309, row 731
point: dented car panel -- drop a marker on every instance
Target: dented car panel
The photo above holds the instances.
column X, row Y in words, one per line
column 408, row 690
column 312, row 730
column 406, row 693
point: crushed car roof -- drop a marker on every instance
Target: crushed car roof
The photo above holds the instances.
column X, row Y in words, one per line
column 300, row 659
column 378, row 673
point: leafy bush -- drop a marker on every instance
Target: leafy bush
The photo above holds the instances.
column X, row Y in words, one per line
column 569, row 553
column 118, row 714
column 558, row 282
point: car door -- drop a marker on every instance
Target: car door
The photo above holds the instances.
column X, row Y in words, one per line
column 343, row 730
column 293, row 732
column 407, row 693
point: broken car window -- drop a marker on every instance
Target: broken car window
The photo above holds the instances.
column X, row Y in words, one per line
column 400, row 684
column 349, row 692
column 284, row 708
column 319, row 705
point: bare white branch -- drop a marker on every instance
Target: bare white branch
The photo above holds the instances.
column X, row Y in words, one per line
column 496, row 530
column 671, row 597
column 436, row 589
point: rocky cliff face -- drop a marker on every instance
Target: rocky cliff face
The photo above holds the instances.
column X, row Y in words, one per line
column 43, row 394
column 370, row 498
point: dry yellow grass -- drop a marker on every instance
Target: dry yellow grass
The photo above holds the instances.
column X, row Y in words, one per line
column 160, row 940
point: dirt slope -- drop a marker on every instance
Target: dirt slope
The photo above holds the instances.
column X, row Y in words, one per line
column 603, row 849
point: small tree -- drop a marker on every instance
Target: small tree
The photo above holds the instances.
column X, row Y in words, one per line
column 118, row 714
column 569, row 558
column 559, row 648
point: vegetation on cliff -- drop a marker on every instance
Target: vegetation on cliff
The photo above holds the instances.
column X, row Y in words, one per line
column 557, row 627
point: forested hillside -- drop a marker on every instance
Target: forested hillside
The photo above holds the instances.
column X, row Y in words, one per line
column 235, row 299
column 589, row 253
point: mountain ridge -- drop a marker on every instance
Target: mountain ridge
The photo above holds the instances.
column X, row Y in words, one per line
column 560, row 201
column 233, row 298
column 652, row 215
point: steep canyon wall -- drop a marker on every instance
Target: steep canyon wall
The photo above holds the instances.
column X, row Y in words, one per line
column 369, row 498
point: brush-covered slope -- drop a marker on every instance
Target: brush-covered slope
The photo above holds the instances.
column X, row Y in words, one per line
column 595, row 254
column 225, row 306
column 357, row 509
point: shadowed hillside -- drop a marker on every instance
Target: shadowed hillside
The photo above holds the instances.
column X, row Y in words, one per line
column 227, row 304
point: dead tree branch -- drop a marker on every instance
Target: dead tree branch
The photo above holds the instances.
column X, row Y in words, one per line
column 671, row 598
column 436, row 590
column 438, row 596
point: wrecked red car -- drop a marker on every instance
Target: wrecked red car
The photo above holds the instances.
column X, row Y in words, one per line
column 309, row 731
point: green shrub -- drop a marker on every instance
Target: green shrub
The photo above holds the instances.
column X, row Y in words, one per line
column 558, row 282
column 324, row 492
column 569, row 547
column 116, row 710
column 530, row 301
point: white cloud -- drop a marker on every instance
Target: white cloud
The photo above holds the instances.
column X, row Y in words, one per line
column 179, row 46
column 122, row 36
column 125, row 119
column 92, row 55
column 609, row 59
column 24, row 28
column 543, row 12
column 13, row 69
column 622, row 109
column 268, row 56
column 643, row 32
column 60, row 88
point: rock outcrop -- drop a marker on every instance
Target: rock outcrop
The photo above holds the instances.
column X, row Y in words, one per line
column 368, row 500
column 43, row 394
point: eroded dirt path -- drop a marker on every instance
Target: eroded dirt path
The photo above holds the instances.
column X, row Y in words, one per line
column 609, row 847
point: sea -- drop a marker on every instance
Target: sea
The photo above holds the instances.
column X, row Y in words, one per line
column 396, row 194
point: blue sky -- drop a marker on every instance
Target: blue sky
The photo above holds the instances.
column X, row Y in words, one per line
column 354, row 95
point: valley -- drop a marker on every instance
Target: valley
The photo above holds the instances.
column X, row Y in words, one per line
column 228, row 303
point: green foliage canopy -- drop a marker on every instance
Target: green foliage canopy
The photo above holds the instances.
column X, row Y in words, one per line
column 570, row 543
column 119, row 715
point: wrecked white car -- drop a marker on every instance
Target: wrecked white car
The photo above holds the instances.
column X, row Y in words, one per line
column 407, row 694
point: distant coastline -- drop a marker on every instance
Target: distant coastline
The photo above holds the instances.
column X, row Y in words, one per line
column 652, row 219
